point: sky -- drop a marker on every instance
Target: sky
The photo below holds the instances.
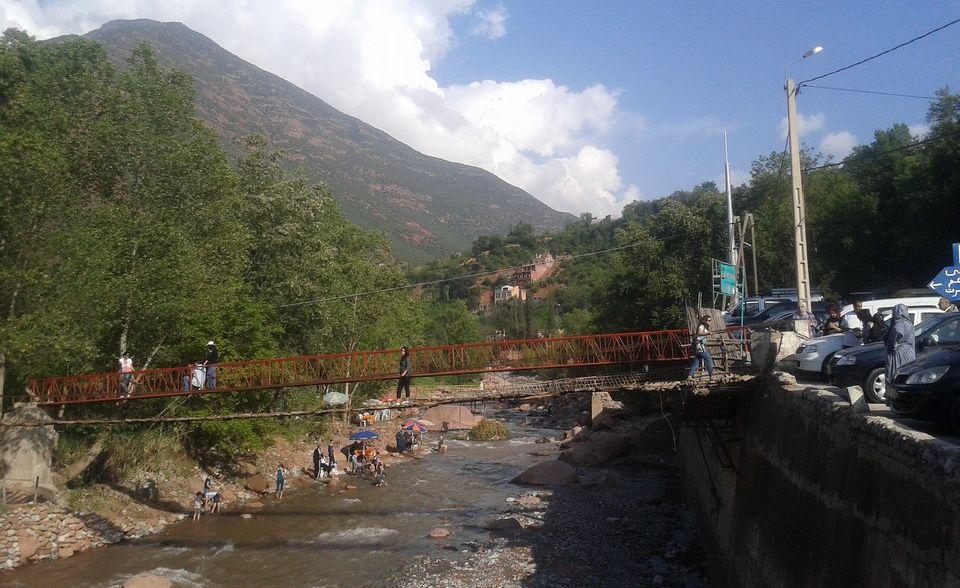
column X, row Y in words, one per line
column 588, row 105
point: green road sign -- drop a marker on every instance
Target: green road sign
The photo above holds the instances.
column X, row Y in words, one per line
column 728, row 279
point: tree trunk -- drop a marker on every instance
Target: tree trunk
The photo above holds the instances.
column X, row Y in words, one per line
column 3, row 374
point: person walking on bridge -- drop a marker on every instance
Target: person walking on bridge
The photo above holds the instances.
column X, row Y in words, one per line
column 126, row 374
column 701, row 355
column 212, row 359
column 406, row 372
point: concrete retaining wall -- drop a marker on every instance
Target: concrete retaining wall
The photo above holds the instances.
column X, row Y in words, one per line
column 821, row 496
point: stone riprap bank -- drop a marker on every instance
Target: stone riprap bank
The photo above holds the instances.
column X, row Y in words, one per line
column 810, row 492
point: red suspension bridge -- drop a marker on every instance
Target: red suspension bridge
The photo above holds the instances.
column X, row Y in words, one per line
column 315, row 370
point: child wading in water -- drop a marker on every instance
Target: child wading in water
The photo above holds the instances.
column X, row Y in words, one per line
column 197, row 505
column 281, row 480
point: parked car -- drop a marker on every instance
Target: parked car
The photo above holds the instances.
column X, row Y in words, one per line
column 754, row 305
column 813, row 356
column 780, row 312
column 865, row 365
column 929, row 387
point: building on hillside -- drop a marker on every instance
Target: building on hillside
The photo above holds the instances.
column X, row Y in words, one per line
column 509, row 292
column 485, row 302
column 541, row 267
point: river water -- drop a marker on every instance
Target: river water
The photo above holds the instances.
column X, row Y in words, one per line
column 312, row 538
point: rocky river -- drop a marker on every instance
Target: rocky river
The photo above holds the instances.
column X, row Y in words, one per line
column 452, row 519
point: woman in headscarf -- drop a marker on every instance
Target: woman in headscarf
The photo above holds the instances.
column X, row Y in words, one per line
column 900, row 342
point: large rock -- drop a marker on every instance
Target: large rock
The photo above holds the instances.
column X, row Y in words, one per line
column 246, row 468
column 147, row 581
column 257, row 483
column 547, row 473
column 455, row 416
column 28, row 547
column 507, row 524
column 600, row 448
column 439, row 533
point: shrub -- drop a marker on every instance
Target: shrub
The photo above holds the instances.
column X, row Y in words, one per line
column 488, row 430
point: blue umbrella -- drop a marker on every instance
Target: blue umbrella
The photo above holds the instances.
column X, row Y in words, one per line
column 364, row 435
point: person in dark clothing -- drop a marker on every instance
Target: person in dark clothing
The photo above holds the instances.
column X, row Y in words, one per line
column 878, row 329
column 834, row 323
column 316, row 462
column 866, row 325
column 901, row 343
column 330, row 453
column 401, row 446
column 406, row 372
column 211, row 361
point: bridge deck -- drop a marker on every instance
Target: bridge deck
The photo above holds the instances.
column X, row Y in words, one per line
column 491, row 356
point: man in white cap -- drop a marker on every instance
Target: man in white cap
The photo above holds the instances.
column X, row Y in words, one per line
column 212, row 359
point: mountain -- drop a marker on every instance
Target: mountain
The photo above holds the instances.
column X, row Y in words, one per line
column 427, row 206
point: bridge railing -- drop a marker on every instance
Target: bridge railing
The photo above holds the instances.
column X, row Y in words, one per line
column 445, row 360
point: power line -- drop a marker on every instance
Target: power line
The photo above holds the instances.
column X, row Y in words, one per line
column 894, row 150
column 451, row 279
column 858, row 91
column 881, row 54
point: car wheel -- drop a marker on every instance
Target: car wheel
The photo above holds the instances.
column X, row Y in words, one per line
column 875, row 385
column 825, row 366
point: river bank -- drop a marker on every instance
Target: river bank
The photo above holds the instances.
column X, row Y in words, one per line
column 619, row 522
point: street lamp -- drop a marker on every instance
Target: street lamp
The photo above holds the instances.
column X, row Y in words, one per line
column 799, row 208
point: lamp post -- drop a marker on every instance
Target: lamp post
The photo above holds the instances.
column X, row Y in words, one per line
column 799, row 208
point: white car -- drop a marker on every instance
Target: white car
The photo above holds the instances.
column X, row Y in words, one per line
column 812, row 356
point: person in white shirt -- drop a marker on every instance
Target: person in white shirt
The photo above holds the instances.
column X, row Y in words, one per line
column 852, row 321
column 126, row 373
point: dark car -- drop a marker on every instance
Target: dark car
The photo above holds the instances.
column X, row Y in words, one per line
column 777, row 313
column 865, row 365
column 929, row 387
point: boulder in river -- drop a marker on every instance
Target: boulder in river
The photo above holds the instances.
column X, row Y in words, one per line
column 507, row 524
column 147, row 581
column 439, row 533
column 257, row 483
column 547, row 473
column 600, row 448
column 455, row 416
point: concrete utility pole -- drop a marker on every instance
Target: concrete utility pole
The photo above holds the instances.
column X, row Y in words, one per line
column 799, row 209
column 730, row 225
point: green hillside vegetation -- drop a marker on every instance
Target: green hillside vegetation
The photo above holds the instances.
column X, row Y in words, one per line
column 884, row 219
column 124, row 226
column 426, row 207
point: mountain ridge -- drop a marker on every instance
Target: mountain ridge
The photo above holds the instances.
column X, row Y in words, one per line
column 427, row 206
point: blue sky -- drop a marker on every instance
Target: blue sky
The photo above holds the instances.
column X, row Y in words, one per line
column 689, row 69
column 587, row 105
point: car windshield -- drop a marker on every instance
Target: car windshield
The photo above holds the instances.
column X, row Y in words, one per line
column 927, row 323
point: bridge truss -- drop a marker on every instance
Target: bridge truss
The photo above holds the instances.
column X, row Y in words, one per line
column 315, row 370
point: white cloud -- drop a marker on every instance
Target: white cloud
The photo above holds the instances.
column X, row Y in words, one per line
column 919, row 130
column 373, row 59
column 805, row 124
column 838, row 144
column 493, row 23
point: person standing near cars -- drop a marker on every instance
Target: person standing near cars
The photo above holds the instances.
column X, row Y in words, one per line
column 701, row 355
column 901, row 343
column 852, row 320
column 944, row 305
column 211, row 361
